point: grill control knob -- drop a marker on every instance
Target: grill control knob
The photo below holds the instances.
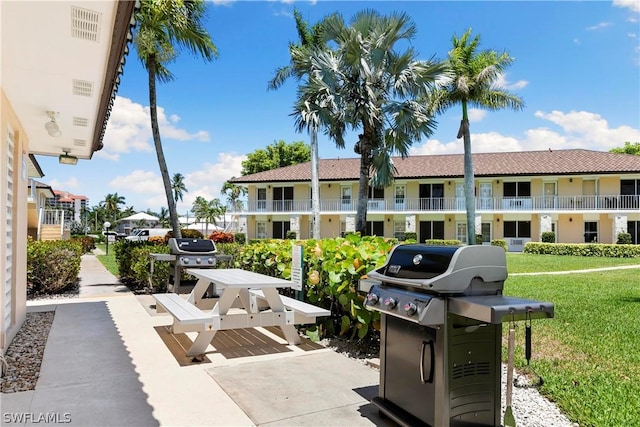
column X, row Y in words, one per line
column 390, row 303
column 198, row 261
column 210, row 260
column 185, row 260
column 372, row 299
column 410, row 308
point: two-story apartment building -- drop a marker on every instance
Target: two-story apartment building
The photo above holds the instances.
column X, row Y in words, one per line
column 581, row 195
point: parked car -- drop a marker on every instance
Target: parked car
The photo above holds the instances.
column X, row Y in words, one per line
column 144, row 234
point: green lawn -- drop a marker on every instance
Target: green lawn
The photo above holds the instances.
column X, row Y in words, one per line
column 589, row 354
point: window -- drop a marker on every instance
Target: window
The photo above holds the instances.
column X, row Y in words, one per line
column 633, row 228
column 399, row 226
column 375, row 228
column 517, row 229
column 431, row 230
column 461, row 232
column 399, row 197
column 431, row 196
column 629, row 193
column 280, row 229
column 590, row 231
column 517, row 189
column 376, row 199
column 486, row 232
column 282, row 198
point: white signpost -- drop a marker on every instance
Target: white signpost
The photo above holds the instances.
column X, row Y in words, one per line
column 296, row 267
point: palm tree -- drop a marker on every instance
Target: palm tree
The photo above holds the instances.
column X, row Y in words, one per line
column 163, row 26
column 178, row 187
column 207, row 210
column 298, row 68
column 234, row 194
column 112, row 204
column 366, row 85
column 473, row 78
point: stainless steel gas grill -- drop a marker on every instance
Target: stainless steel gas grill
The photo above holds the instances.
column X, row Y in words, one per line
column 441, row 336
column 188, row 253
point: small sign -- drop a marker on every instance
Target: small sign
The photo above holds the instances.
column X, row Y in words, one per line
column 296, row 267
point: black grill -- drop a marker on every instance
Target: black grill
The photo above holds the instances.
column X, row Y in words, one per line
column 441, row 310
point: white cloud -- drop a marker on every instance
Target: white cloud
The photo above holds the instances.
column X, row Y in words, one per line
column 577, row 129
column 129, row 129
column 140, row 184
column 476, row 114
column 634, row 5
column 598, row 26
column 503, row 83
column 69, row 183
column 207, row 182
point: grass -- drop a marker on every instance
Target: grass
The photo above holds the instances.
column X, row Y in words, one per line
column 588, row 355
column 109, row 261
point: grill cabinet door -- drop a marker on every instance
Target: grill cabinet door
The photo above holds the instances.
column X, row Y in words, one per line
column 409, row 366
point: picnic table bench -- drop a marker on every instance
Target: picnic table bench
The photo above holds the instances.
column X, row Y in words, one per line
column 261, row 304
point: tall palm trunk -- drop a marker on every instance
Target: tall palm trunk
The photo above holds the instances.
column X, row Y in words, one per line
column 315, row 185
column 469, row 190
column 363, row 183
column 155, row 130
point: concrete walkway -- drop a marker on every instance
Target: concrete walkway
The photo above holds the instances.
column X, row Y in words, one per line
column 107, row 363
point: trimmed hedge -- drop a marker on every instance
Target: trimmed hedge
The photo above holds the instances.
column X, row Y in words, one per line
column 583, row 249
column 500, row 242
column 52, row 266
column 443, row 242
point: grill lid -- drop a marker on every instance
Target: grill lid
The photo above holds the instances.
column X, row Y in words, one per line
column 191, row 246
column 445, row 269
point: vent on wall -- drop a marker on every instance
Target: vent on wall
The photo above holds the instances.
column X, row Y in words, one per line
column 79, row 142
column 80, row 121
column 82, row 88
column 85, row 24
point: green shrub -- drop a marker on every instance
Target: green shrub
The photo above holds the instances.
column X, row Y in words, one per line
column 291, row 235
column 624, row 239
column 52, row 266
column 442, row 242
column 548, row 237
column 333, row 268
column 188, row 233
column 411, row 236
column 240, row 238
column 479, row 239
column 140, row 263
column 583, row 249
column 88, row 243
column 500, row 242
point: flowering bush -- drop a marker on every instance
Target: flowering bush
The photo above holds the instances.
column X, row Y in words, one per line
column 221, row 237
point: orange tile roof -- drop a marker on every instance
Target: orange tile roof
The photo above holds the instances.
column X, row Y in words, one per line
column 524, row 163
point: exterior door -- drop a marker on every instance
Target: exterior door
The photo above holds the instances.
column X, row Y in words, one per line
column 399, row 201
column 486, row 196
column 550, row 195
column 345, row 199
column 460, row 204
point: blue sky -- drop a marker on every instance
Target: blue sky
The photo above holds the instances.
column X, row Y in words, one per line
column 577, row 67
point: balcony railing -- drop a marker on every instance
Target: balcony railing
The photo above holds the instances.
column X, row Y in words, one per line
column 612, row 203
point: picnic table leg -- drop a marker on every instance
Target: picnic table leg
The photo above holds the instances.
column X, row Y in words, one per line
column 273, row 298
column 202, row 341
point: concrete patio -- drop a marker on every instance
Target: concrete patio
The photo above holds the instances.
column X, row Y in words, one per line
column 109, row 361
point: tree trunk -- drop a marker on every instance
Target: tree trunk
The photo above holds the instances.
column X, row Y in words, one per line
column 363, row 182
column 155, row 130
column 315, row 185
column 469, row 189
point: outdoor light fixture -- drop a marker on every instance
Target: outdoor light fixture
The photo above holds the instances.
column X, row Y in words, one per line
column 51, row 126
column 67, row 159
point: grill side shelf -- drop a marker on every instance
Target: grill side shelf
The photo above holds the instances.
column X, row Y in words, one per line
column 496, row 309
